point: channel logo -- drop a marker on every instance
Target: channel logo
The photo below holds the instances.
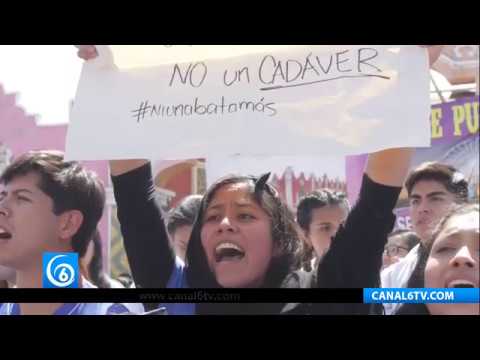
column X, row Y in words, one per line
column 60, row 270
column 421, row 295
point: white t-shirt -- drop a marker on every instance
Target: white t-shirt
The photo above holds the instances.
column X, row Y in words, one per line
column 398, row 274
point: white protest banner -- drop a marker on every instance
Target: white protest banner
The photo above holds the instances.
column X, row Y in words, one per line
column 254, row 101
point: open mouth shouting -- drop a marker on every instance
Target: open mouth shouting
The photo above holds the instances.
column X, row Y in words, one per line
column 4, row 234
column 461, row 283
column 228, row 252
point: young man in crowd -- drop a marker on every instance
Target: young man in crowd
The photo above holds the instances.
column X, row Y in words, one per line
column 399, row 244
column 48, row 205
column 433, row 189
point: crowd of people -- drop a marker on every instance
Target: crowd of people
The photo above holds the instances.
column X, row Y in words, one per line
column 240, row 234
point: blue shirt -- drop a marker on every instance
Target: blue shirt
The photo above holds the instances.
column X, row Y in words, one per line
column 82, row 308
column 73, row 309
column 178, row 280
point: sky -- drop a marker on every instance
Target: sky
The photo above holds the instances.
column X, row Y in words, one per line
column 44, row 76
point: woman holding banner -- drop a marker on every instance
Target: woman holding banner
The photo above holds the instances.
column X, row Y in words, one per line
column 245, row 237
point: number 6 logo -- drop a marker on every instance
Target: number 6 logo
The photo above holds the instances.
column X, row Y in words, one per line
column 60, row 270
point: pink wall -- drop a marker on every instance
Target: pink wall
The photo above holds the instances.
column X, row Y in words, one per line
column 20, row 132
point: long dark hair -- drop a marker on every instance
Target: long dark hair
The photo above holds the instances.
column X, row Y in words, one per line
column 316, row 200
column 184, row 213
column 95, row 267
column 284, row 230
column 68, row 184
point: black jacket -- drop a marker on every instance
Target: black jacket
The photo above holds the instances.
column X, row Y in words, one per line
column 353, row 261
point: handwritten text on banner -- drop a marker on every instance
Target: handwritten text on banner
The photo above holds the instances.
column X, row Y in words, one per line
column 254, row 101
